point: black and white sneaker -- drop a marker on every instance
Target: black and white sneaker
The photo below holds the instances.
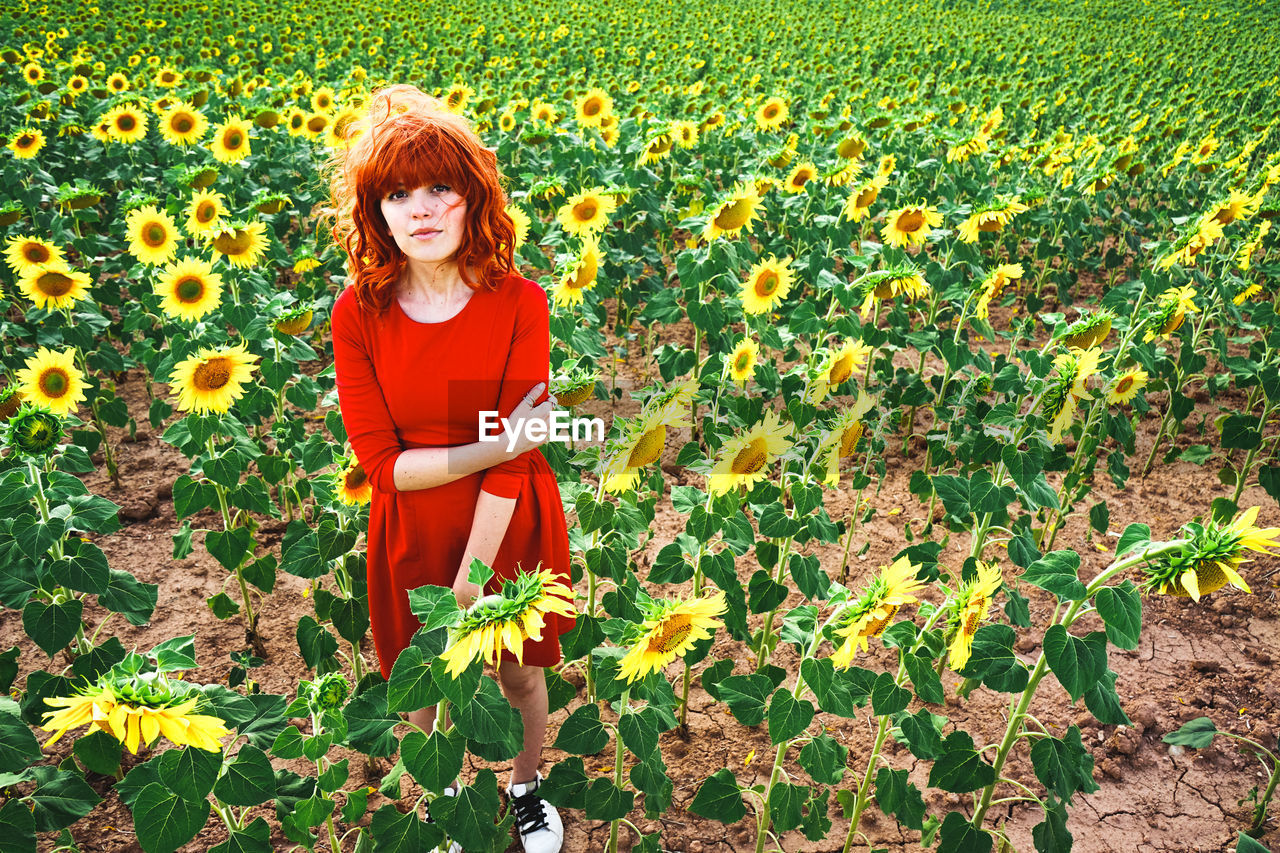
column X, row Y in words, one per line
column 454, row 847
column 537, row 820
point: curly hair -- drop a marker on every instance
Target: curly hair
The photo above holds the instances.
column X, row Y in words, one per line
column 407, row 138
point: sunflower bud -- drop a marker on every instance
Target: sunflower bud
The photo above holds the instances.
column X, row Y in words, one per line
column 33, row 431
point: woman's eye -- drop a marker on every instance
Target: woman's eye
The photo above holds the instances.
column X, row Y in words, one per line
column 441, row 188
column 396, row 194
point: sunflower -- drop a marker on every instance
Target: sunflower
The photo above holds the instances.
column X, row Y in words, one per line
column 153, row 238
column 903, row 280
column 1211, row 558
column 354, row 486
column 183, row 124
column 543, row 112
column 205, row 212
column 656, row 149
column 305, row 260
column 772, row 114
column 574, row 387
column 507, row 122
column 744, row 460
column 504, row 622
column 733, row 215
column 520, row 222
column 586, row 212
column 911, row 225
column 26, row 143
column 27, row 253
column 213, row 379
column 989, row 218
column 1244, row 255
column 886, row 166
column 642, row 442
column 457, row 98
column 1060, row 408
column 837, row 368
column 343, row 130
column 801, row 174
column 993, row 284
column 118, row 83
column 1237, row 205
column 51, row 379
column 669, row 631
column 1171, row 310
column 54, row 286
column 30, row 430
column 1126, row 386
column 231, row 141
column 872, row 613
column 841, row 439
column 33, row 73
column 741, row 363
column 1191, row 243
column 851, row 147
column 296, row 122
column 168, row 78
column 295, row 321
column 1088, row 332
column 591, row 108
column 189, row 289
column 126, row 123
column 857, row 206
column 242, row 245
column 673, row 401
column 962, row 151
column 685, row 133
column 1075, row 367
column 969, row 610
column 154, row 706
column 580, row 277
column 768, row 283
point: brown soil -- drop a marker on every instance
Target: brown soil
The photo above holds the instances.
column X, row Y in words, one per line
column 1214, row 659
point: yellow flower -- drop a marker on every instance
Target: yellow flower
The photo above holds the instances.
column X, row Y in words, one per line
column 1127, row 386
column 990, row 218
column 580, row 277
column 491, row 628
column 26, row 143
column 51, row 379
column 772, row 114
column 153, row 238
column 874, row 610
column 969, row 611
column 241, row 245
column 1172, row 309
column 592, row 108
column 801, row 174
column 1211, row 558
column 27, row 253
column 733, row 215
column 586, row 212
column 841, row 439
column 457, row 98
column 643, row 441
column 520, row 221
column 993, row 284
column 1192, row 242
column 54, row 285
column 343, row 130
column 118, row 83
column 213, row 379
column 741, row 363
column 543, row 112
column 168, row 78
column 205, row 212
column 685, row 133
column 670, row 632
column 189, row 289
column 910, row 226
column 1238, row 205
column 745, row 459
column 131, row 723
column 231, row 141
column 857, row 206
column 838, row 368
column 768, row 283
column 183, row 124
column 126, row 123
column 851, row 147
column 354, row 486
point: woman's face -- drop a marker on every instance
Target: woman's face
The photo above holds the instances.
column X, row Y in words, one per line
column 426, row 222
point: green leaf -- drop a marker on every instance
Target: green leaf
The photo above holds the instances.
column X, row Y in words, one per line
column 1051, row 835
column 288, row 744
column 489, row 718
column 1057, row 573
column 99, row 752
column 412, row 684
column 764, row 593
column 402, row 833
column 334, row 776
column 17, row 827
column 52, row 626
column 719, row 798
column 1100, row 517
column 315, row 643
column 18, row 746
column 899, row 798
column 175, row 655
column 1121, row 610
column 746, row 696
column 369, row 722
column 960, row 836
column 923, row 733
column 249, row 780
column 1240, row 432
column 583, row 733
column 960, row 768
column 357, row 804
column 823, row 758
column 164, row 821
column 222, row 605
column 1077, row 662
column 1245, row 844
column 468, row 817
column 1104, row 703
column 593, row 515
column 254, row 838
column 924, row 678
column 788, row 716
column 639, row 734
column 189, row 772
column 434, row 761
column 604, row 800
column 786, row 805
column 816, row 824
column 566, row 785
column 1134, row 536
column 313, row 810
column 887, row 697
column 1197, row 734
column 83, row 569
column 127, row 596
column 435, row 606
column 1063, row 766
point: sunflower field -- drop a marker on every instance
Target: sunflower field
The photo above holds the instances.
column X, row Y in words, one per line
column 938, row 347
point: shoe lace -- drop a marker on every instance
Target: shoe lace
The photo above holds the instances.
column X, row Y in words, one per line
column 530, row 815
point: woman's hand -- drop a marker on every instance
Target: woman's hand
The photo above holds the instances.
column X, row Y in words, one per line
column 524, row 415
column 466, row 592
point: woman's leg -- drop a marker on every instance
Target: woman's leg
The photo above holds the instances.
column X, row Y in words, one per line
column 424, row 719
column 526, row 689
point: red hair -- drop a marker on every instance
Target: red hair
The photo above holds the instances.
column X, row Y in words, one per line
column 407, row 138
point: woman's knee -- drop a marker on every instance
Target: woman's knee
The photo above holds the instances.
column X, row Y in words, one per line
column 524, row 682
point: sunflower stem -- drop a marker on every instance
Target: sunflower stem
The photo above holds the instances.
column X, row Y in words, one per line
column 618, row 755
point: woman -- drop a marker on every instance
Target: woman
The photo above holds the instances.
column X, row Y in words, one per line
column 434, row 329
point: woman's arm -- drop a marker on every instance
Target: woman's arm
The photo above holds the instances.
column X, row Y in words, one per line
column 493, row 515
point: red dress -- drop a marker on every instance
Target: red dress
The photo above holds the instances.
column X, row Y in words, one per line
column 404, row 384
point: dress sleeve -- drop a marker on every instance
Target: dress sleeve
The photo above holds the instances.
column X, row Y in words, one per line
column 364, row 409
column 528, row 364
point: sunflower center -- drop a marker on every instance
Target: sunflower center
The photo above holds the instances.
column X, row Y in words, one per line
column 876, row 627
column 189, row 290
column 801, row 178
column 36, row 253
column 973, row 616
column 988, row 225
column 26, row 140
column 355, row 478
column 751, row 459
column 126, row 123
column 236, row 243
column 766, row 284
column 771, row 112
column 54, row 284
column 648, row 448
column 295, row 121
column 206, row 212
column 592, row 107
column 867, row 196
column 911, row 221
column 585, row 211
column 842, row 369
column 742, row 362
column 674, row 631
column 233, row 140
column 54, row 382
column 1210, row 577
column 849, row 440
column 1125, row 383
column 212, row 375
column 183, row 124
column 733, row 216
column 154, row 234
